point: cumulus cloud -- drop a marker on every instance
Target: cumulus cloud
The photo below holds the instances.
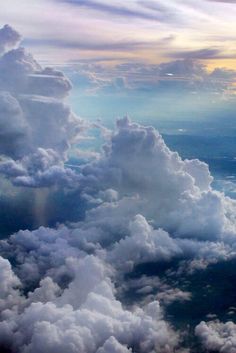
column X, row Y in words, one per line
column 224, row 1
column 43, row 168
column 217, row 336
column 14, row 134
column 112, row 345
column 137, row 163
column 8, row 38
column 9, row 285
column 33, row 115
column 85, row 317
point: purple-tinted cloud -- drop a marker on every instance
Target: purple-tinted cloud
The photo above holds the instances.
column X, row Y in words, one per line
column 89, row 44
column 224, row 1
column 203, row 54
column 121, row 11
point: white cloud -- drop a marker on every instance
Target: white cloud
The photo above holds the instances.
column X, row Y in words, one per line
column 43, row 168
column 217, row 336
column 113, row 346
column 34, row 119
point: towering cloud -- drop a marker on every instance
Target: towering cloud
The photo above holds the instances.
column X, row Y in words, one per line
column 33, row 116
column 175, row 194
column 8, row 38
column 85, row 317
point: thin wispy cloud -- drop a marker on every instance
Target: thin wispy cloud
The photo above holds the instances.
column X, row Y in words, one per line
column 117, row 10
column 224, row 1
column 202, row 54
column 85, row 29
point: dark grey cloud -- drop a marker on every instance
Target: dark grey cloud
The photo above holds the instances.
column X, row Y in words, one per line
column 144, row 208
column 158, row 7
column 68, row 273
column 37, row 127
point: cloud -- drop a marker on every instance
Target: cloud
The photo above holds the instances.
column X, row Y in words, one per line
column 203, row 54
column 142, row 245
column 191, row 209
column 43, row 168
column 91, row 45
column 33, row 116
column 217, row 336
column 9, row 286
column 112, row 345
column 29, row 77
column 8, row 38
column 68, row 274
column 178, row 77
column 152, row 17
column 224, row 1
column 172, row 295
column 14, row 130
column 61, row 288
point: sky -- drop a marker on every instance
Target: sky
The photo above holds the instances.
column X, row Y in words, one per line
column 117, row 176
column 61, row 32
column 113, row 50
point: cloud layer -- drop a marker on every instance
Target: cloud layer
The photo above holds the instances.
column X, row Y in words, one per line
column 116, row 25
column 61, row 288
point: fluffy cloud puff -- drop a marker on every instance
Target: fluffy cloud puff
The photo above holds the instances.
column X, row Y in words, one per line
column 216, row 336
column 33, row 115
column 10, row 295
column 175, row 194
column 84, row 317
column 143, row 244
